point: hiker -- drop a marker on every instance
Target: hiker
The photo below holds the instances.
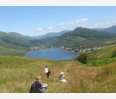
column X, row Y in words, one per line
column 62, row 77
column 47, row 71
column 38, row 86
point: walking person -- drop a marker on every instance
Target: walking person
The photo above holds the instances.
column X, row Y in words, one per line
column 47, row 71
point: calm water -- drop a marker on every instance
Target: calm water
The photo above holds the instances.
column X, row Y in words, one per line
column 52, row 54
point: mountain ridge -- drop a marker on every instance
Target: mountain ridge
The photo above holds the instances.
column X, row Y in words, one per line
column 84, row 37
column 80, row 37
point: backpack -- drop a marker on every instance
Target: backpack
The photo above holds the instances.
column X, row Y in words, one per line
column 49, row 72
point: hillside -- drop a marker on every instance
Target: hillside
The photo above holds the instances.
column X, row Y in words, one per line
column 50, row 35
column 16, row 44
column 6, row 51
column 75, row 39
column 96, row 76
column 9, row 40
column 106, row 52
column 18, row 73
column 104, row 56
column 110, row 29
column 99, row 57
column 84, row 38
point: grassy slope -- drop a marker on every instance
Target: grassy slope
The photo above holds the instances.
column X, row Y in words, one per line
column 104, row 56
column 106, row 52
column 18, row 73
column 5, row 51
column 101, row 61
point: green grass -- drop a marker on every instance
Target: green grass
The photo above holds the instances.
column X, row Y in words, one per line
column 4, row 51
column 106, row 52
column 101, row 57
column 18, row 73
column 101, row 61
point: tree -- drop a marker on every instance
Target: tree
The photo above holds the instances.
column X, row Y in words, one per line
column 85, row 57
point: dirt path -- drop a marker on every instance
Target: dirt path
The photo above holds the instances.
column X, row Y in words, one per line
column 74, row 72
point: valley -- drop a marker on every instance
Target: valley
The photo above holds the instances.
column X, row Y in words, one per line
column 93, row 71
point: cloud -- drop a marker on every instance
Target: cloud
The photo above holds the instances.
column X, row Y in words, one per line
column 50, row 28
column 104, row 24
column 80, row 20
column 64, row 25
column 40, row 29
column 74, row 22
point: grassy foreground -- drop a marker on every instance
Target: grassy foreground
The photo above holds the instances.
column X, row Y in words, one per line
column 18, row 73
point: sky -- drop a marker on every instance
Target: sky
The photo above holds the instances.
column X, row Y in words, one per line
column 39, row 20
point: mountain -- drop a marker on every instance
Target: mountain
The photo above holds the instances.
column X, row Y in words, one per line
column 16, row 40
column 48, row 38
column 15, row 34
column 84, row 37
column 52, row 34
column 98, row 29
column 11, row 39
column 15, row 44
column 110, row 29
column 79, row 37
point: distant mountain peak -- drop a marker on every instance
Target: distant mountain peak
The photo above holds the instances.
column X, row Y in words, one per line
column 114, row 26
column 15, row 33
column 111, row 29
column 80, row 28
column 51, row 34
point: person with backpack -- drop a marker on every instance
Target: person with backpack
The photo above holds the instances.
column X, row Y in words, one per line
column 38, row 86
column 47, row 71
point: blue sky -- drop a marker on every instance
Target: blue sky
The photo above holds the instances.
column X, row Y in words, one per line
column 38, row 20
